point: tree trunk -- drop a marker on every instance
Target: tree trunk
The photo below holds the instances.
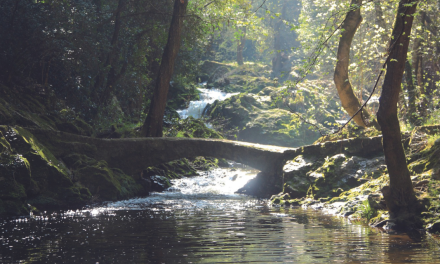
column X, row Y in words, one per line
column 240, row 46
column 153, row 123
column 399, row 196
column 348, row 99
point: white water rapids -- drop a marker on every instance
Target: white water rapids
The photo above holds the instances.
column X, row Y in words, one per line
column 207, row 96
column 212, row 189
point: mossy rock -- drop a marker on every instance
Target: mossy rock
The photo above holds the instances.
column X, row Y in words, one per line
column 251, row 118
column 31, row 173
column 296, row 183
column 425, row 160
column 192, row 128
column 101, row 181
column 205, row 163
column 246, row 83
column 22, row 106
column 330, row 177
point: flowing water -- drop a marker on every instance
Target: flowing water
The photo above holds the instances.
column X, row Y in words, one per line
column 207, row 96
column 201, row 220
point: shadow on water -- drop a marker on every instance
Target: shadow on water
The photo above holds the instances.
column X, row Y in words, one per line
column 204, row 226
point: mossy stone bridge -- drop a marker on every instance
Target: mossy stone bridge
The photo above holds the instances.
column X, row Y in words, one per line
column 132, row 155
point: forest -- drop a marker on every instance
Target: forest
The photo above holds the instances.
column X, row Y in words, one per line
column 108, row 100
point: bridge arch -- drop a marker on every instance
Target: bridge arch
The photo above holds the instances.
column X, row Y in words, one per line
column 132, row 155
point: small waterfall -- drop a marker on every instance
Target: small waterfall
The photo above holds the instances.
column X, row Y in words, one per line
column 207, row 96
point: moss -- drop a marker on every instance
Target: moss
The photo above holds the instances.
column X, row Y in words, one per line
column 425, row 160
column 31, row 174
column 100, row 181
column 352, row 131
column 4, row 144
column 325, row 182
column 37, row 149
column 96, row 178
column 202, row 163
column 252, row 118
column 192, row 128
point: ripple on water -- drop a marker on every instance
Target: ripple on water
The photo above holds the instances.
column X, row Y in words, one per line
column 195, row 223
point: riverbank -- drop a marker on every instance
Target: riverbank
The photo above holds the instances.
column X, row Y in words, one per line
column 201, row 220
column 352, row 186
column 39, row 174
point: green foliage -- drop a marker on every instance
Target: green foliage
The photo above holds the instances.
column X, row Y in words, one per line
column 191, row 128
column 366, row 211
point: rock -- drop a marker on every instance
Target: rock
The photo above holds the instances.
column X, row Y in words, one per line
column 30, row 173
column 159, row 183
column 434, row 227
column 261, row 186
column 296, row 184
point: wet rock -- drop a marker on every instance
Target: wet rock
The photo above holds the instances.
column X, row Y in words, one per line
column 159, row 183
column 296, row 183
column 261, row 186
column 280, row 198
column 434, row 227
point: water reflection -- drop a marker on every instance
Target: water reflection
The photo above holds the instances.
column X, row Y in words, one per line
column 203, row 226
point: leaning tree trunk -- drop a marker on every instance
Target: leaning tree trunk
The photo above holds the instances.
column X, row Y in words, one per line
column 399, row 196
column 348, row 99
column 153, row 123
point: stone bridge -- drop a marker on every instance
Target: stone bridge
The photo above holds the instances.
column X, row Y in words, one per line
column 132, row 155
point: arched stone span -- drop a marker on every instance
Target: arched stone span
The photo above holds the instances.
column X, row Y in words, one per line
column 132, row 155
column 137, row 153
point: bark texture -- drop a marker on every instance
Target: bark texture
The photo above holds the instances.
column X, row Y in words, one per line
column 345, row 91
column 400, row 197
column 154, row 122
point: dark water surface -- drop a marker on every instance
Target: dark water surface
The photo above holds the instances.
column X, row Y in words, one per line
column 202, row 221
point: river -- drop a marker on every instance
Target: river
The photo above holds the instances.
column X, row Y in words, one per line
column 201, row 220
column 207, row 96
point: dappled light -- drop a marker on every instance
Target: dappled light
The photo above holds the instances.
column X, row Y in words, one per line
column 236, row 131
